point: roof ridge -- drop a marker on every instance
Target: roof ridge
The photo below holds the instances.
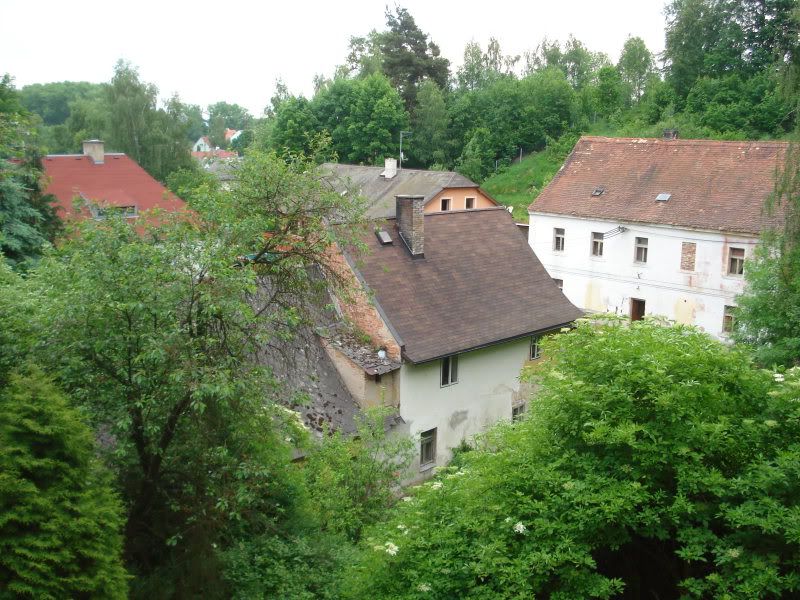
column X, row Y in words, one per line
column 680, row 141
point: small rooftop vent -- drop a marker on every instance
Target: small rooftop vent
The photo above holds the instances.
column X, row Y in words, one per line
column 598, row 191
column 383, row 237
column 663, row 197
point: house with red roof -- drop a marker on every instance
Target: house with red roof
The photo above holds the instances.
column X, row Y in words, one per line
column 656, row 226
column 100, row 181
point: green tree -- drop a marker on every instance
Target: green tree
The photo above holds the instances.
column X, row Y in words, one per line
column 60, row 522
column 429, row 125
column 158, row 333
column 635, row 66
column 27, row 217
column 654, row 462
column 409, row 56
column 154, row 137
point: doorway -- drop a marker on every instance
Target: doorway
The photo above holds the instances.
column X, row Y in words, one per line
column 637, row 309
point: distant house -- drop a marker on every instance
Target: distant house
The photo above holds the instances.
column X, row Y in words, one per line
column 103, row 181
column 231, row 135
column 656, row 226
column 443, row 191
column 454, row 304
column 203, row 144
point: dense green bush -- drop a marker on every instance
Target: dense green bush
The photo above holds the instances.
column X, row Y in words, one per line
column 655, row 462
column 60, row 522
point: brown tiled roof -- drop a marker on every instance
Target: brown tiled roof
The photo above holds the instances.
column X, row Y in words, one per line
column 381, row 191
column 714, row 185
column 479, row 283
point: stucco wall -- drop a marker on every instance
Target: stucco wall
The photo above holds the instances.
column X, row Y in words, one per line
column 608, row 283
column 487, row 386
column 458, row 198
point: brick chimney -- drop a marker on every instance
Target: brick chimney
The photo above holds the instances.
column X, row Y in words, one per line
column 389, row 168
column 411, row 223
column 95, row 149
column 670, row 134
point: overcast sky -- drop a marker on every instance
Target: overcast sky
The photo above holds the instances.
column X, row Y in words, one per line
column 234, row 50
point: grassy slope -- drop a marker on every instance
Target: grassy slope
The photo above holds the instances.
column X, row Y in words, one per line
column 519, row 185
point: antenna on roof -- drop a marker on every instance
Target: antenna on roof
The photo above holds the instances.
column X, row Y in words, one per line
column 407, row 134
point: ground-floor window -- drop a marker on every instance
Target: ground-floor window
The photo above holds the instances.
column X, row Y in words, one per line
column 517, row 412
column 427, row 447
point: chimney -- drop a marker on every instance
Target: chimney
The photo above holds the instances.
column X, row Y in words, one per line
column 389, row 168
column 670, row 134
column 95, row 149
column 411, row 223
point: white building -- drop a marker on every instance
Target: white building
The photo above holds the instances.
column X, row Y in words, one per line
column 656, row 226
column 455, row 302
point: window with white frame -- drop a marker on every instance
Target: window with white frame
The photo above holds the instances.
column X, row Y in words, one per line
column 427, row 448
column 517, row 412
column 597, row 244
column 449, row 370
column 445, row 204
column 640, row 250
column 735, row 261
column 469, row 203
column 558, row 239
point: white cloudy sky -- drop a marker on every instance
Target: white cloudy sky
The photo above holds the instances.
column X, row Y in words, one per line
column 234, row 50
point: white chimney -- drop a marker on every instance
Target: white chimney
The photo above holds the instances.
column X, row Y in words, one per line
column 389, row 168
column 95, row 149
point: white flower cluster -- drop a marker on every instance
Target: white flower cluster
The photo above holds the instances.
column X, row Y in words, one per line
column 423, row 587
column 519, row 527
column 778, row 377
column 406, row 498
column 391, row 549
column 436, row 485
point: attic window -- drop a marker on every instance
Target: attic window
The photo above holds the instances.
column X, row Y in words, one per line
column 383, row 237
column 598, row 191
column 663, row 197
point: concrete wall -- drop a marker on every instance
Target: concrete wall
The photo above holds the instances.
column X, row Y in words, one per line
column 695, row 296
column 458, row 199
column 487, row 387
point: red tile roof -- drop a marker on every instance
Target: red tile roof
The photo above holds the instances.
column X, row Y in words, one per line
column 714, row 185
column 479, row 284
column 118, row 181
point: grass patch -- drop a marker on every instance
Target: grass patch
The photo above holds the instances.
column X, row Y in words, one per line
column 520, row 184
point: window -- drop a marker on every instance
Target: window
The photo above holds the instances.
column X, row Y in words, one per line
column 450, row 370
column 517, row 412
column 597, row 244
column 427, row 447
column 445, row 204
column 103, row 212
column 637, row 309
column 535, row 352
column 735, row 261
column 728, row 319
column 469, row 203
column 558, row 239
column 688, row 253
column 559, row 283
column 640, row 253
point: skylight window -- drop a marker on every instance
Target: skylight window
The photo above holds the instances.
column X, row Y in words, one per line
column 598, row 191
column 663, row 197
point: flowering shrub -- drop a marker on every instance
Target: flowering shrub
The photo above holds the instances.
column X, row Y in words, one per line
column 653, row 461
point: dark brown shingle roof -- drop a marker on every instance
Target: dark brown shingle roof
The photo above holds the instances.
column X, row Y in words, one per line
column 381, row 192
column 714, row 185
column 479, row 284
